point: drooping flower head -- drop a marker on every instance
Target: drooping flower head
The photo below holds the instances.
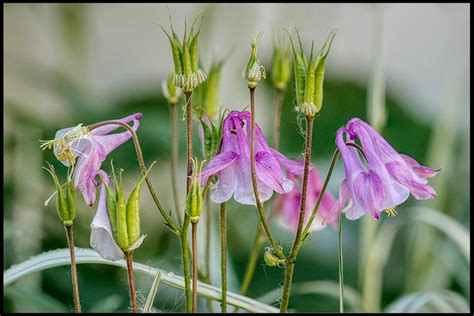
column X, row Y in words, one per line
column 232, row 164
column 385, row 182
column 86, row 150
column 188, row 74
column 288, row 205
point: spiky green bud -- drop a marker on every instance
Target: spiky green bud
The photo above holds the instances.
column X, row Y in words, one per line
column 254, row 71
column 194, row 198
column 281, row 66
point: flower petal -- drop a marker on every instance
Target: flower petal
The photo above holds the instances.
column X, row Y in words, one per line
column 269, row 172
column 419, row 189
column 86, row 170
column 420, row 170
column 101, row 239
column 103, row 130
column 219, row 162
column 369, row 193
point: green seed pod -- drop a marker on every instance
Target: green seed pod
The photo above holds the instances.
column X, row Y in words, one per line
column 193, row 51
column 170, row 91
column 320, row 69
column 194, row 198
column 254, row 72
column 121, row 213
column 111, row 200
column 71, row 200
column 300, row 73
column 133, row 210
column 281, row 67
column 176, row 51
column 310, row 77
column 212, row 90
column 61, row 199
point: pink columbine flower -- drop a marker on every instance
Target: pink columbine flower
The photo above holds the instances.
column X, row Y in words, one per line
column 89, row 148
column 386, row 181
column 102, row 238
column 288, row 205
column 232, row 164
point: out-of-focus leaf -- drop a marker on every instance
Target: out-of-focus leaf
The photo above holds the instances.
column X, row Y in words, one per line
column 107, row 304
column 42, row 301
column 60, row 257
column 325, row 287
column 443, row 301
column 152, row 294
column 449, row 226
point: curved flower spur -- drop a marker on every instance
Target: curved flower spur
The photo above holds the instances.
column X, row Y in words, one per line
column 86, row 150
column 232, row 164
column 386, row 181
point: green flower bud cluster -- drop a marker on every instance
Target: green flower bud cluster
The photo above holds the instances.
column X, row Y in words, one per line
column 309, row 76
column 281, row 71
column 206, row 96
column 170, row 91
column 254, row 72
column 65, row 199
column 188, row 75
column 194, row 198
column 125, row 216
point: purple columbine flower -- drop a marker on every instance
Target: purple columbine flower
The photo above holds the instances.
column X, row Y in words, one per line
column 386, row 181
column 232, row 164
column 102, row 238
column 288, row 205
column 89, row 148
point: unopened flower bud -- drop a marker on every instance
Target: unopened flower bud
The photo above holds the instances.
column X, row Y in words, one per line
column 272, row 260
column 194, row 198
column 254, row 72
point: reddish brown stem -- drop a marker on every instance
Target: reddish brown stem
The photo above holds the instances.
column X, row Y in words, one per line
column 75, row 285
column 131, row 281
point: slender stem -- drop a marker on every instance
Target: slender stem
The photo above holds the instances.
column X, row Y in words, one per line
column 261, row 212
column 184, row 231
column 185, row 256
column 143, row 168
column 325, row 185
column 207, row 258
column 75, row 285
column 131, row 281
column 174, row 158
column 277, row 119
column 250, row 269
column 195, row 265
column 285, row 297
column 341, row 268
column 223, row 257
column 290, row 264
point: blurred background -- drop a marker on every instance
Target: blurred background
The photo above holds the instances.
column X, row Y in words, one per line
column 402, row 67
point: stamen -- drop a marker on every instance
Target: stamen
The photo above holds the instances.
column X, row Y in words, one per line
column 49, row 199
column 391, row 211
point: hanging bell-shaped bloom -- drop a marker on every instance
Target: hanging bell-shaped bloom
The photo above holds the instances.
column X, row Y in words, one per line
column 232, row 164
column 86, row 150
column 386, row 181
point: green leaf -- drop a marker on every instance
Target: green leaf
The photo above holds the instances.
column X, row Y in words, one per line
column 60, row 257
column 437, row 302
column 108, row 304
column 324, row 287
column 42, row 301
column 152, row 294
